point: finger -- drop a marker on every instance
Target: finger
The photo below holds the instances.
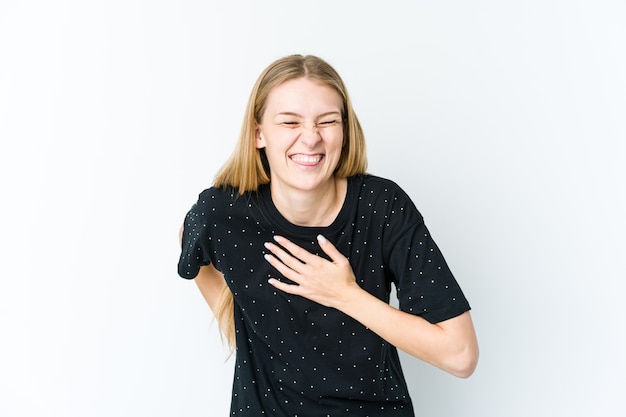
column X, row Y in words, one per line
column 330, row 249
column 284, row 256
column 282, row 268
column 283, row 286
column 301, row 254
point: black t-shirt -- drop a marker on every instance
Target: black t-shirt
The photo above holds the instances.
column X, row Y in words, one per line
column 295, row 357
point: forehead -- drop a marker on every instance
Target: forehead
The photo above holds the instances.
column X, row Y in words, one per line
column 302, row 96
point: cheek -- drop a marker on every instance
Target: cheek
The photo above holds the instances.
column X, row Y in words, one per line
column 339, row 142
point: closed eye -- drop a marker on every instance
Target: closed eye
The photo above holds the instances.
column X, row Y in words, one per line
column 290, row 124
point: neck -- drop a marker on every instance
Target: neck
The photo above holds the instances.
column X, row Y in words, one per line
column 317, row 208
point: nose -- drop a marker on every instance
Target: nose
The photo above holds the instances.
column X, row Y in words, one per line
column 310, row 135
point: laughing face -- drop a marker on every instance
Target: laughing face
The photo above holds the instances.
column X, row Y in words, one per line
column 302, row 134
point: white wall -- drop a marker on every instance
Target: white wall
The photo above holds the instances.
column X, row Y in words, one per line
column 504, row 120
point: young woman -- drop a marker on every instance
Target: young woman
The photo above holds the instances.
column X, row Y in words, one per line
column 295, row 248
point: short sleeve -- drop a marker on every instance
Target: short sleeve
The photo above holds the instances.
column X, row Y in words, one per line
column 194, row 249
column 425, row 284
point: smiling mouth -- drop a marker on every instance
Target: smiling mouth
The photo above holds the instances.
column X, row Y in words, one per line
column 307, row 159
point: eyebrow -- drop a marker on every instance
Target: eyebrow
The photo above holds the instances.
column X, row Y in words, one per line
column 289, row 113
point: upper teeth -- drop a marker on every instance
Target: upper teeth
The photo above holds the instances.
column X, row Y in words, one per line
column 306, row 158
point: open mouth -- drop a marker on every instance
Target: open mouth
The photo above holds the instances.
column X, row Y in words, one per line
column 303, row 159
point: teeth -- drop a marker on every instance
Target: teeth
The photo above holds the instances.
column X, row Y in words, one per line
column 308, row 159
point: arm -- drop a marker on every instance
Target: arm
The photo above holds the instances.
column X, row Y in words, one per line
column 211, row 284
column 210, row 281
column 450, row 345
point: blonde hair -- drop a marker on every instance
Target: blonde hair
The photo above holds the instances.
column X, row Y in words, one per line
column 247, row 167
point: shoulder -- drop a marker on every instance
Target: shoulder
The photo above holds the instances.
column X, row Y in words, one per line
column 215, row 202
column 216, row 196
column 384, row 189
column 385, row 196
column 214, row 193
column 374, row 182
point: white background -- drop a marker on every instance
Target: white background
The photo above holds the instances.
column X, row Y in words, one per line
column 504, row 120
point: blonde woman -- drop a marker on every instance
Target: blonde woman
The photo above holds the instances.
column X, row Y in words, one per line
column 296, row 249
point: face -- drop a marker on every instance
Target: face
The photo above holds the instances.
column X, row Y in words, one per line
column 302, row 134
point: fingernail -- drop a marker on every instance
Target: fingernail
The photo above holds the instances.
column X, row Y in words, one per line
column 321, row 239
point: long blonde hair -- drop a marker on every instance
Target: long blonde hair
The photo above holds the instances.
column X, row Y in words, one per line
column 247, row 167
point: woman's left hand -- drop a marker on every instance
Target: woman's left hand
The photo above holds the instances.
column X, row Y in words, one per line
column 316, row 278
column 450, row 345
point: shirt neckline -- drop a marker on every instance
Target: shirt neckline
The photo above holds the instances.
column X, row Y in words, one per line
column 337, row 224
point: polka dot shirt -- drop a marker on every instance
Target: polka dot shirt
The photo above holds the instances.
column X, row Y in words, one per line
column 298, row 358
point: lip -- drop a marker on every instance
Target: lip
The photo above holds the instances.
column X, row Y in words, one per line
column 307, row 160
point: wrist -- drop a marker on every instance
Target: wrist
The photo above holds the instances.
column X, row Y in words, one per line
column 351, row 298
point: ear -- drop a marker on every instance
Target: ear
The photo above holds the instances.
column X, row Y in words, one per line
column 258, row 137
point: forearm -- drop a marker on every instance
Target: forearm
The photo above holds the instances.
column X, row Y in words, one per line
column 211, row 285
column 450, row 345
column 209, row 280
